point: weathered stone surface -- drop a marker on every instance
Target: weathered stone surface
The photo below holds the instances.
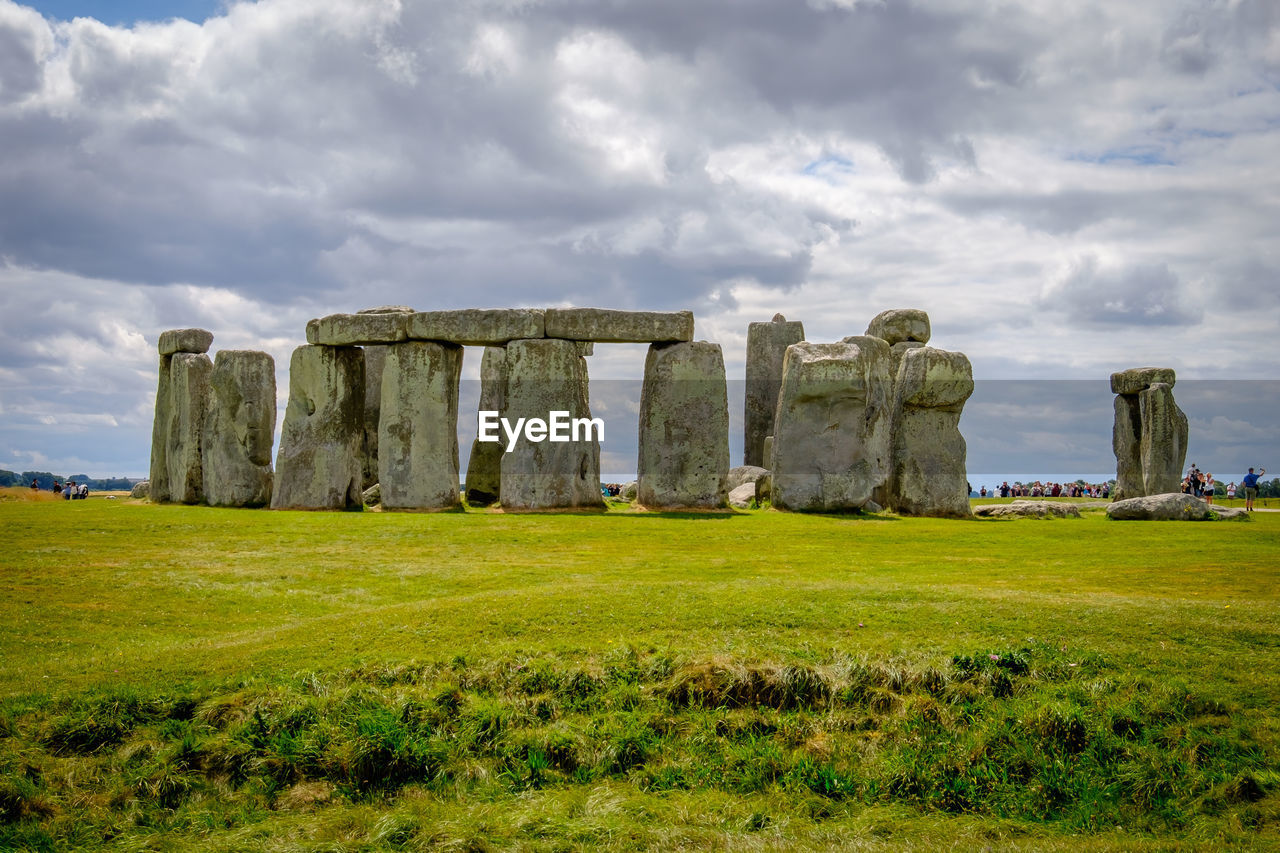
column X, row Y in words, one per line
column 742, row 496
column 189, row 390
column 684, row 427
column 387, row 309
column 768, row 452
column 1028, row 509
column 896, row 352
column 630, row 490
column 1139, row 379
column 418, row 430
column 372, row 496
column 319, row 464
column 766, row 347
column 832, row 432
column 586, row 348
column 185, row 340
column 477, row 326
column 1174, row 506
column 484, row 468
column 239, row 429
column 343, row 330
column 744, row 474
column 158, row 478
column 928, row 472
column 141, row 489
column 605, row 325
column 900, row 324
column 375, row 355
column 544, row 376
column 1163, row 447
column 1126, row 442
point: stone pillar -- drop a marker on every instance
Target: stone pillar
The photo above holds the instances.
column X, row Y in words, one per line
column 928, row 474
column 1150, row 433
column 320, row 461
column 195, row 341
column 188, row 400
column 832, row 429
column 239, row 429
column 684, row 428
column 374, row 357
column 546, row 375
column 766, row 345
column 418, row 430
column 484, row 468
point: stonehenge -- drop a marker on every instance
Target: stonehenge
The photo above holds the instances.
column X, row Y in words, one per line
column 866, row 422
column 1149, row 437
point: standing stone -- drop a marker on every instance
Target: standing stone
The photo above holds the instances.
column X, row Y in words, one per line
column 1164, row 439
column 684, row 428
column 374, row 357
column 189, row 389
column 1126, row 442
column 321, row 444
column 766, row 345
column 239, row 429
column 831, row 437
column 1149, row 436
column 928, row 475
column 418, row 432
column 543, row 376
column 484, row 468
column 170, row 343
column 158, row 479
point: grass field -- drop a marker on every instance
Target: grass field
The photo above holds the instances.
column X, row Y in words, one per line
column 186, row 677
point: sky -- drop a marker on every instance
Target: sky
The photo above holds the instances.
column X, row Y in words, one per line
column 1069, row 189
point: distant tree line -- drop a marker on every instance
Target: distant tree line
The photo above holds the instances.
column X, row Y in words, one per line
column 46, row 480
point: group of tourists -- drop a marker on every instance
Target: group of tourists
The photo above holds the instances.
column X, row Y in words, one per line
column 70, row 491
column 1202, row 485
column 1049, row 490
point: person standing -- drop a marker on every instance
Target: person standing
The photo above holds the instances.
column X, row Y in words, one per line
column 1231, row 490
column 1250, row 483
column 1209, row 487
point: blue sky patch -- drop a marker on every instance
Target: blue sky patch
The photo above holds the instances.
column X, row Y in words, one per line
column 127, row 12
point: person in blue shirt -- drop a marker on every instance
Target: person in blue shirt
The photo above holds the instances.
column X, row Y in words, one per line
column 1250, row 483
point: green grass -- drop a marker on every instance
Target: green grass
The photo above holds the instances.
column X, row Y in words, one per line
column 186, row 676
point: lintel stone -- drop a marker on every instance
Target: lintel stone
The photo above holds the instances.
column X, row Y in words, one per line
column 195, row 341
column 476, row 327
column 345, row 330
column 606, row 325
column 1139, row 379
